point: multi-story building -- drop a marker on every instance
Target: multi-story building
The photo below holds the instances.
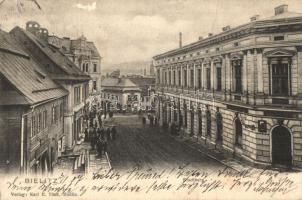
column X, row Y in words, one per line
column 31, row 112
column 34, row 41
column 240, row 89
column 85, row 55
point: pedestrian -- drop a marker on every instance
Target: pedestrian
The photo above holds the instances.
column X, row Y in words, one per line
column 86, row 135
column 155, row 120
column 113, row 131
column 105, row 145
column 144, row 120
column 92, row 140
column 151, row 120
column 107, row 133
column 100, row 147
column 172, row 129
column 102, row 134
column 98, row 132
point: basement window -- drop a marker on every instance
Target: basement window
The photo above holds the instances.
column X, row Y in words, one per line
column 278, row 37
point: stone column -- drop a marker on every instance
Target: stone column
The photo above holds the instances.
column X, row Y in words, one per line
column 194, row 76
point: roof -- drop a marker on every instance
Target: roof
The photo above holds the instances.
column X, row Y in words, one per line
column 280, row 18
column 143, row 81
column 25, row 76
column 54, row 54
column 119, row 83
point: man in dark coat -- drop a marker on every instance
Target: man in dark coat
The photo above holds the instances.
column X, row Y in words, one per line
column 144, row 120
column 100, row 147
column 151, row 120
column 86, row 135
column 113, row 132
column 92, row 139
column 107, row 133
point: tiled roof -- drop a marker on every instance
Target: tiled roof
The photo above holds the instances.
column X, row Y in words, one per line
column 25, row 75
column 55, row 55
column 143, row 81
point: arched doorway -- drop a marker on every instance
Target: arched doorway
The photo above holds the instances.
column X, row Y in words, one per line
column 281, row 146
column 219, row 127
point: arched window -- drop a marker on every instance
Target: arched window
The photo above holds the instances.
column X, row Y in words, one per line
column 238, row 132
column 208, row 114
column 219, row 126
column 83, row 67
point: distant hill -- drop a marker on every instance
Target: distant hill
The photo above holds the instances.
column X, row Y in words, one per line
column 136, row 67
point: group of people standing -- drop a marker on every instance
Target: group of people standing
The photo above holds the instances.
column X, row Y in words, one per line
column 151, row 118
column 97, row 133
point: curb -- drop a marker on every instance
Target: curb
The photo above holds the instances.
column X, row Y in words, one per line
column 206, row 154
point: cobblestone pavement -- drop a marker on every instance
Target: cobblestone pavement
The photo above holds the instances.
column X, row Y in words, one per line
column 151, row 146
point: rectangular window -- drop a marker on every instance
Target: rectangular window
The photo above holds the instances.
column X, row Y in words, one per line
column 170, row 78
column 44, row 119
column 179, row 77
column 237, row 66
column 185, row 78
column 278, row 38
column 77, row 95
column 208, row 73
column 158, row 76
column 166, row 81
column 39, row 125
column 94, row 67
column 33, row 126
column 280, row 80
column 192, row 78
column 218, row 75
column 199, row 78
column 53, row 115
column 174, row 77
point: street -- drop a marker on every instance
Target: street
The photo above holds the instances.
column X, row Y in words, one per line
column 149, row 146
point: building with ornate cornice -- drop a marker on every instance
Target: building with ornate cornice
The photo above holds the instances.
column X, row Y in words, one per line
column 240, row 90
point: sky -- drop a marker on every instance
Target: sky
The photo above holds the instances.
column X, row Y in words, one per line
column 136, row 30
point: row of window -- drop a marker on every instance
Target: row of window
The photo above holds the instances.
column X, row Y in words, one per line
column 39, row 120
column 279, row 80
column 109, row 96
column 85, row 67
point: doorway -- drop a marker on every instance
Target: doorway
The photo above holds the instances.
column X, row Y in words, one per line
column 281, row 146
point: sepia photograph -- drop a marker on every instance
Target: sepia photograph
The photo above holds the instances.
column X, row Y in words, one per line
column 151, row 99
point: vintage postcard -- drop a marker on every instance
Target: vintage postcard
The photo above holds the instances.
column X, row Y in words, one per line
column 141, row 99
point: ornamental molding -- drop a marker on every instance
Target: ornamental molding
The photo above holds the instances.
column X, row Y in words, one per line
column 280, row 53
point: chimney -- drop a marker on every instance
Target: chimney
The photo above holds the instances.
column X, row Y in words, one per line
column 210, row 34
column 254, row 18
column 33, row 27
column 200, row 38
column 281, row 9
column 43, row 34
column 226, row 28
column 180, row 39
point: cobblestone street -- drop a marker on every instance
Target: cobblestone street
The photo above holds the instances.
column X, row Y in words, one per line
column 150, row 146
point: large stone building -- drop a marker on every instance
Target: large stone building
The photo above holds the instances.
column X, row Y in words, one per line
column 85, row 55
column 31, row 112
column 34, row 41
column 240, row 90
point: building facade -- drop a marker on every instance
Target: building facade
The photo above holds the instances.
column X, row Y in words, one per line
column 31, row 112
column 85, row 55
column 239, row 90
column 34, row 41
